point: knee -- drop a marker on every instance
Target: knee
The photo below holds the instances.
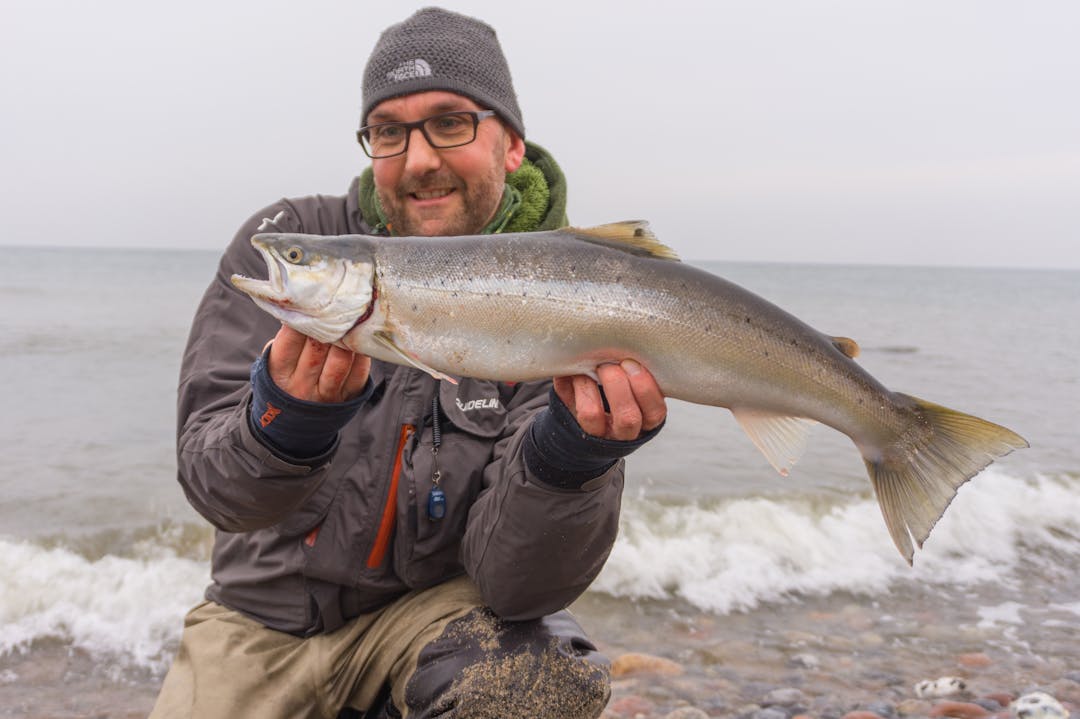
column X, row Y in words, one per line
column 532, row 669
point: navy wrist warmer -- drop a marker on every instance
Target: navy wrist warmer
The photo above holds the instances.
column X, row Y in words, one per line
column 560, row 453
column 297, row 429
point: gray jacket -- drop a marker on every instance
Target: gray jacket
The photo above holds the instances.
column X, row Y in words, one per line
column 304, row 548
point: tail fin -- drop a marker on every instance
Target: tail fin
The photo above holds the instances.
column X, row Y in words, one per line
column 917, row 477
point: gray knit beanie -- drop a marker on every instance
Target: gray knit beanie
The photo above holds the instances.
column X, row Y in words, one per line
column 436, row 49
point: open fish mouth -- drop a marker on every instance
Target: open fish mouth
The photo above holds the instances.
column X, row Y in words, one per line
column 277, row 290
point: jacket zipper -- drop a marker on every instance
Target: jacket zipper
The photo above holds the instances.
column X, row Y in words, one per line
column 389, row 513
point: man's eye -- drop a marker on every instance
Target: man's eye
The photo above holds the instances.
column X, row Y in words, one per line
column 449, row 123
column 384, row 134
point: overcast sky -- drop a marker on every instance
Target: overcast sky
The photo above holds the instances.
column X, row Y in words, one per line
column 849, row 131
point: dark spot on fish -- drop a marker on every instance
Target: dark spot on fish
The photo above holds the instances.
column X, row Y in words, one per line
column 747, row 320
column 414, row 308
column 618, row 279
column 638, row 232
column 766, row 353
column 708, row 328
column 453, row 294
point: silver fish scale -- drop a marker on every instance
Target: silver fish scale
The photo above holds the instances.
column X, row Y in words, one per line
column 548, row 304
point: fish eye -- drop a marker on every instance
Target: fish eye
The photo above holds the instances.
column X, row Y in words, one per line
column 294, row 255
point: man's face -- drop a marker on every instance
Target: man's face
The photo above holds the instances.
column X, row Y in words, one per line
column 454, row 191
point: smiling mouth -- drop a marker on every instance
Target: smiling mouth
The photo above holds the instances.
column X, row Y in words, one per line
column 430, row 194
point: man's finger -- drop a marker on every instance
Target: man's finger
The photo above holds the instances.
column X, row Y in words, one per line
column 588, row 406
column 285, row 350
column 304, row 382
column 335, row 371
column 358, row 377
column 649, row 397
column 564, row 388
column 625, row 415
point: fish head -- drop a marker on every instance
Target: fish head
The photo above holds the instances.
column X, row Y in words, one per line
column 319, row 286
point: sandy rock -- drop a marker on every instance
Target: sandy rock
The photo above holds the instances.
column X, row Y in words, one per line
column 804, row 661
column 959, row 710
column 637, row 663
column 940, row 688
column 1038, row 705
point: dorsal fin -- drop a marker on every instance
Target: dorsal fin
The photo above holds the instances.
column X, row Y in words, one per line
column 633, row 236
column 846, row 345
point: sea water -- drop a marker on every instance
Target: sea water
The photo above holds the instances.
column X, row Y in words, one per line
column 101, row 555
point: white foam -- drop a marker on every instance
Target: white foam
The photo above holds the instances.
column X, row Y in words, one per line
column 130, row 609
column 733, row 555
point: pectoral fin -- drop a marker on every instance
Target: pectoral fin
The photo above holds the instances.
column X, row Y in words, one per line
column 780, row 438
column 386, row 341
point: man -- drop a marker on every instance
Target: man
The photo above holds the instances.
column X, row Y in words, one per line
column 388, row 544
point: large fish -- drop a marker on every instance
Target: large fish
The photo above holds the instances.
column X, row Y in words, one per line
column 527, row 306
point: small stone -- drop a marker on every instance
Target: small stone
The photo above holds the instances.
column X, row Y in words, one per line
column 770, row 713
column 747, row 710
column 687, row 713
column 1038, row 705
column 784, row 697
column 631, row 706
column 1072, row 676
column 871, row 639
column 1001, row 698
column 990, row 705
column 913, row 707
column 941, row 687
column 636, row 663
column 862, row 715
column 804, row 661
column 959, row 710
column 883, row 709
column 974, row 660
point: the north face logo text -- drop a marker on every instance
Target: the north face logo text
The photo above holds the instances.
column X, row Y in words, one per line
column 489, row 403
column 408, row 70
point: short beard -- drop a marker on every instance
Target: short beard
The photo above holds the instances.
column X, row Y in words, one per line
column 481, row 198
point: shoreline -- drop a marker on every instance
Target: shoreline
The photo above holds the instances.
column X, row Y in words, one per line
column 820, row 658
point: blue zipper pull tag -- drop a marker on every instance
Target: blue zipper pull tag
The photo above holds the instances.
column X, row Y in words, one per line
column 436, row 503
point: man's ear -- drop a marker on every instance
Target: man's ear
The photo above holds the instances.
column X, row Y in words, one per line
column 515, row 150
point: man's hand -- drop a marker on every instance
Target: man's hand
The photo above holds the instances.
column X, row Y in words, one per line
column 311, row 370
column 636, row 403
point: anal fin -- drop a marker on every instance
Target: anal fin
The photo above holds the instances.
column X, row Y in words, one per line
column 781, row 438
column 387, row 341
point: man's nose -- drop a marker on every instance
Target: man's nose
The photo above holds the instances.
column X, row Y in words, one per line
column 421, row 157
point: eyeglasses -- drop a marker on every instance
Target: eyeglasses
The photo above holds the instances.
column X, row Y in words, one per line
column 450, row 129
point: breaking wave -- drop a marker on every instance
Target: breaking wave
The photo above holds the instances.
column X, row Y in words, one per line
column 734, row 555
column 721, row 556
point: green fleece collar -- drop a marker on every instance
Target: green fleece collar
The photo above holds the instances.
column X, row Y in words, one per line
column 534, row 198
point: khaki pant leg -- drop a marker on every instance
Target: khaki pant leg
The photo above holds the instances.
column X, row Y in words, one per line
column 231, row 666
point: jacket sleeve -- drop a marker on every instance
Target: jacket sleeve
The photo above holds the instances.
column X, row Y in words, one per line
column 228, row 475
column 533, row 548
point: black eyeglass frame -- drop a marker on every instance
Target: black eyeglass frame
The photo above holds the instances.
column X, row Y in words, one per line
column 476, row 115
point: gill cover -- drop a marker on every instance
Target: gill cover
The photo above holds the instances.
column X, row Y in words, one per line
column 316, row 285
